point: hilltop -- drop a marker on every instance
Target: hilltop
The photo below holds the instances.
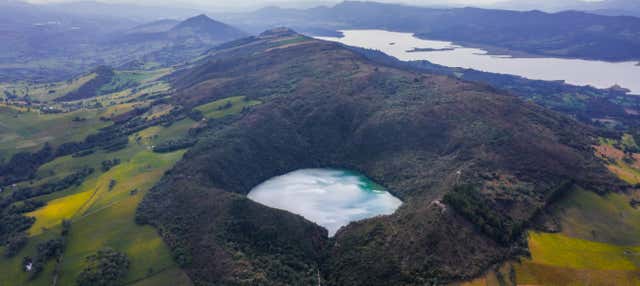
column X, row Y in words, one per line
column 204, row 27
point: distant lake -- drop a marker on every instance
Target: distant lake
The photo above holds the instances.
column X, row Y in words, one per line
column 330, row 198
column 406, row 47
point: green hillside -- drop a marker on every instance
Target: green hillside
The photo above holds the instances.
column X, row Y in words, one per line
column 151, row 168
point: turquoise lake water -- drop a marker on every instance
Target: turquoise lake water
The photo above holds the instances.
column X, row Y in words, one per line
column 330, row 198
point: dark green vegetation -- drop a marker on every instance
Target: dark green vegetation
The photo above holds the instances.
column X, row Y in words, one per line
column 107, row 267
column 423, row 136
column 565, row 34
column 51, row 249
column 23, row 165
column 470, row 203
column 25, row 193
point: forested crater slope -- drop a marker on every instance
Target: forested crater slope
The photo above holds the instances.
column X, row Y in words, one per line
column 472, row 165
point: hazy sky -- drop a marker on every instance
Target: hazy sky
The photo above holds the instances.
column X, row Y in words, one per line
column 298, row 3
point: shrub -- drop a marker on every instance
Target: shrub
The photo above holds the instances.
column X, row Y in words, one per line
column 105, row 268
column 14, row 244
column 471, row 204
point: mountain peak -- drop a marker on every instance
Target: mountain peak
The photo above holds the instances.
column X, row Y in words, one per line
column 201, row 19
column 203, row 26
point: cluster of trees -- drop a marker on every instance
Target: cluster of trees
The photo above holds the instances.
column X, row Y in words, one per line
column 50, row 249
column 13, row 223
column 112, row 184
column 74, row 179
column 175, row 144
column 116, row 144
column 470, row 203
column 12, row 226
column 14, row 244
column 22, row 166
column 83, row 153
column 107, row 267
column 46, row 251
column 108, row 164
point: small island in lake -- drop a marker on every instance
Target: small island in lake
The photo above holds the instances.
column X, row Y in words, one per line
column 416, row 50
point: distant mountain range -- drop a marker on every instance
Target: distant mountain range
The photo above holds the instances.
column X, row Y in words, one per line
column 569, row 34
column 56, row 41
column 605, row 7
column 43, row 42
column 200, row 28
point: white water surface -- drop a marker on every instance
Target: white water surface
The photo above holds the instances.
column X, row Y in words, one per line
column 330, row 198
column 599, row 74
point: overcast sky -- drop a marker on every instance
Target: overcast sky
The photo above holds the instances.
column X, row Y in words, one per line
column 254, row 4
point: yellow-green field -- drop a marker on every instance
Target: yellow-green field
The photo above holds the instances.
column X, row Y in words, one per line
column 557, row 259
column 220, row 108
column 559, row 250
column 108, row 217
column 102, row 216
column 600, row 239
column 608, row 219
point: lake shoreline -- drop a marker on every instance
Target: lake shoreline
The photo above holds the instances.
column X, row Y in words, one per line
column 331, row 198
column 578, row 72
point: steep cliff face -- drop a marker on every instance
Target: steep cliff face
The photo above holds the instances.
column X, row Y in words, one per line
column 473, row 166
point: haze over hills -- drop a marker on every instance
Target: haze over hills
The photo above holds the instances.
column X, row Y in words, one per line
column 44, row 45
column 564, row 34
column 605, row 7
column 45, row 42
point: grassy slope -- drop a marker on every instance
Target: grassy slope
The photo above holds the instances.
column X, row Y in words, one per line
column 46, row 91
column 27, row 131
column 100, row 217
column 216, row 109
column 608, row 219
column 108, row 218
column 10, row 269
column 599, row 243
column 23, row 129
